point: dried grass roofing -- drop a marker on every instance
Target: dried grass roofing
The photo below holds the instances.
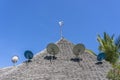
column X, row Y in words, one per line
column 61, row 69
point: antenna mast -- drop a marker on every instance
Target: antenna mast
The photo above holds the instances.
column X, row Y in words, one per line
column 61, row 32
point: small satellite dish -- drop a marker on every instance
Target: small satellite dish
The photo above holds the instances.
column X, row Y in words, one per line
column 15, row 59
column 28, row 54
column 61, row 23
column 52, row 48
column 78, row 49
column 101, row 56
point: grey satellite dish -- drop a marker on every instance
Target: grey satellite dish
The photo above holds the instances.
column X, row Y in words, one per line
column 15, row 59
column 78, row 49
column 52, row 49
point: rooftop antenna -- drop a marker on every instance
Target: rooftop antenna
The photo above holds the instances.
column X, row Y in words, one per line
column 15, row 59
column 100, row 58
column 28, row 55
column 78, row 50
column 52, row 49
column 61, row 32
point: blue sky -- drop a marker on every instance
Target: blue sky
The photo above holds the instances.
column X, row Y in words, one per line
column 32, row 24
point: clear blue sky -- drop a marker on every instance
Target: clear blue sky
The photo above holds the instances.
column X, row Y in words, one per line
column 32, row 24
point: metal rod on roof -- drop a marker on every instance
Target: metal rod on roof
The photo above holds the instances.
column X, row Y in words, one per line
column 61, row 32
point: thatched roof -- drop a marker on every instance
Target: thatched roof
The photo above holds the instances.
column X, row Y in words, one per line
column 63, row 68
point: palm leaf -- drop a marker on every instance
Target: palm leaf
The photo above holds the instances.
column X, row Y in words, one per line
column 117, row 42
column 107, row 45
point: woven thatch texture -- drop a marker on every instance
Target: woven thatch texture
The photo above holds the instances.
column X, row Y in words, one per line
column 60, row 69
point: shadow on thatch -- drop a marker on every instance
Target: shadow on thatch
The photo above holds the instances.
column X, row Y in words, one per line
column 50, row 57
column 98, row 63
column 27, row 61
column 76, row 59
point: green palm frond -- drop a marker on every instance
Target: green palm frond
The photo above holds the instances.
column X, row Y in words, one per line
column 108, row 46
column 117, row 42
column 114, row 74
column 100, row 40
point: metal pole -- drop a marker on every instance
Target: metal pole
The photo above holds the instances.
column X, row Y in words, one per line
column 61, row 32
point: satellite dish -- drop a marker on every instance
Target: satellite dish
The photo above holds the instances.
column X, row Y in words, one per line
column 78, row 49
column 101, row 56
column 52, row 48
column 61, row 23
column 15, row 59
column 28, row 54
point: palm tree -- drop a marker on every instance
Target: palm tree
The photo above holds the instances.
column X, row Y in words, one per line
column 117, row 43
column 109, row 47
column 114, row 74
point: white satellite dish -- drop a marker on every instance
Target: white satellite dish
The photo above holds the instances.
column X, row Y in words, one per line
column 52, row 49
column 78, row 49
column 15, row 59
column 61, row 23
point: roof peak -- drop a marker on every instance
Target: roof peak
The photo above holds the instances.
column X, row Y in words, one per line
column 63, row 40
